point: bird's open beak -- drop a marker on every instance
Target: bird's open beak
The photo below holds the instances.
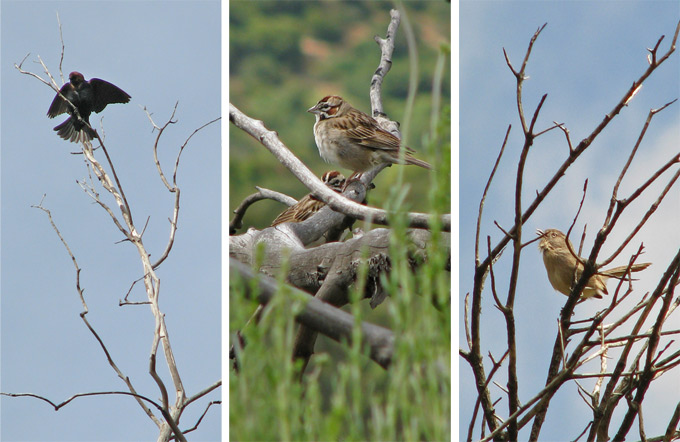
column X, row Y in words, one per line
column 540, row 232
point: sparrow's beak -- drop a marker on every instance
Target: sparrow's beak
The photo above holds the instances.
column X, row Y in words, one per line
column 314, row 109
column 540, row 232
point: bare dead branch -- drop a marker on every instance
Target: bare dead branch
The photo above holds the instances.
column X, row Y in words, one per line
column 671, row 430
column 181, row 149
column 652, row 112
column 59, row 405
column 61, row 56
column 520, row 77
column 202, row 393
column 486, row 191
column 499, row 304
column 174, row 188
column 492, row 372
column 198, row 422
column 386, row 49
column 125, row 301
column 89, row 326
column 323, row 317
column 262, row 194
column 466, row 317
column 652, row 208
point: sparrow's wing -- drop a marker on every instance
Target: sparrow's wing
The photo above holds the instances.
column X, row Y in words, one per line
column 300, row 211
column 59, row 105
column 365, row 131
column 106, row 93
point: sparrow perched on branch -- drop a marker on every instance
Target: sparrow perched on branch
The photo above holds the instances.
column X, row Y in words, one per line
column 564, row 269
column 309, row 204
column 351, row 139
column 86, row 96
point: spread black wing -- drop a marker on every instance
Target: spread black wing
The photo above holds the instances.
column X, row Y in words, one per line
column 59, row 105
column 106, row 93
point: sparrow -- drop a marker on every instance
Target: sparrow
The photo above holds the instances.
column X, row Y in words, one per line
column 564, row 269
column 351, row 139
column 309, row 204
column 86, row 96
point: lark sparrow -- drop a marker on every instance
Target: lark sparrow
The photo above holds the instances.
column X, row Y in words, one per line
column 309, row 204
column 351, row 139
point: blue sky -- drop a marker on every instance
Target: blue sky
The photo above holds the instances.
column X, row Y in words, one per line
column 585, row 59
column 160, row 53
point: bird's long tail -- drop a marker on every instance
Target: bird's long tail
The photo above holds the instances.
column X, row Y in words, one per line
column 618, row 272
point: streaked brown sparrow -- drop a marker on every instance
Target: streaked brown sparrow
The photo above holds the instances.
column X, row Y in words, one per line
column 309, row 204
column 349, row 138
column 564, row 269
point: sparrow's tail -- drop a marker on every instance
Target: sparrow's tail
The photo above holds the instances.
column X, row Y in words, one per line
column 416, row 162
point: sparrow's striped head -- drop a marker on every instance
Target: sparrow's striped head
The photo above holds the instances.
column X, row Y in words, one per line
column 328, row 107
column 333, row 179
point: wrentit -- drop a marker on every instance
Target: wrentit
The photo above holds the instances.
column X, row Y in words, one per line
column 564, row 269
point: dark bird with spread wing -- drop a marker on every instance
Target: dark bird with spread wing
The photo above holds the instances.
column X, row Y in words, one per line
column 86, row 96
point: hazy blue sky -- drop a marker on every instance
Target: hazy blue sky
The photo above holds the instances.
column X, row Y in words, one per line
column 160, row 53
column 585, row 59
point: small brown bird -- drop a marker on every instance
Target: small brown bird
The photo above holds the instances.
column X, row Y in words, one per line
column 349, row 138
column 309, row 204
column 86, row 96
column 564, row 269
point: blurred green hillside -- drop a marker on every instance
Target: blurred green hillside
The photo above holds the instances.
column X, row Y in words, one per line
column 285, row 56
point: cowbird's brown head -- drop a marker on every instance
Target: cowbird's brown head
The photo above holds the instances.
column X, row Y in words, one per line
column 76, row 78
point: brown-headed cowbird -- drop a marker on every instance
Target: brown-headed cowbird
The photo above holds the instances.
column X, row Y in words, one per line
column 86, row 96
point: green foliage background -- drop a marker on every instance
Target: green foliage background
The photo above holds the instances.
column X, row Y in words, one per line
column 285, row 56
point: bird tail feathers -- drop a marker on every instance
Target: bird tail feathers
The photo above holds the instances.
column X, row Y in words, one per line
column 620, row 271
column 68, row 131
column 416, row 162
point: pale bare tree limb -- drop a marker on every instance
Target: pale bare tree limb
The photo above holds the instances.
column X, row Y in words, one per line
column 83, row 316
